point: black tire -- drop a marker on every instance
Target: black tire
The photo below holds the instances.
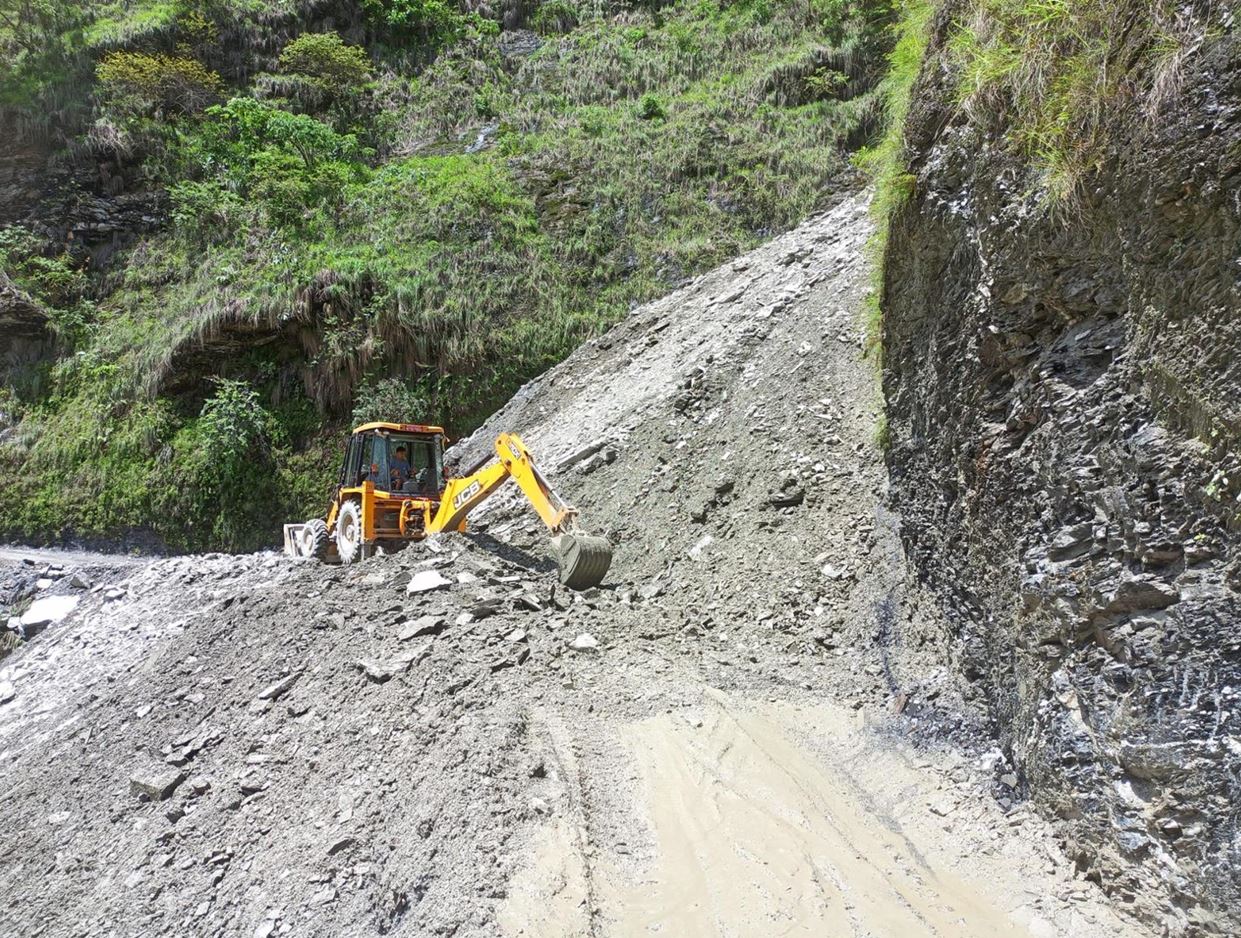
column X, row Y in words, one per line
column 315, row 542
column 349, row 533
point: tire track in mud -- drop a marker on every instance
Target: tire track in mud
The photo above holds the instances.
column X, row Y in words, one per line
column 747, row 828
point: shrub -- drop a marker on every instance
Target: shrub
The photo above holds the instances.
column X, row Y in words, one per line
column 289, row 188
column 195, row 31
column 554, row 16
column 54, row 280
column 143, row 82
column 225, row 476
column 290, row 163
column 324, row 57
column 649, row 108
column 234, row 134
column 437, row 21
column 204, row 211
column 56, row 283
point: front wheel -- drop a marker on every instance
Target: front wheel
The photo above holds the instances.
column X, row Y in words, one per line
column 315, row 539
column 349, row 533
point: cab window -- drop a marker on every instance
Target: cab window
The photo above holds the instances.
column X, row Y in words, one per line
column 375, row 460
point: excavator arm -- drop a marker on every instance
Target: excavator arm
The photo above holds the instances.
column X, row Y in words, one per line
column 583, row 560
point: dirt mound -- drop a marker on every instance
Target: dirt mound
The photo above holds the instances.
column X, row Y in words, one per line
column 442, row 742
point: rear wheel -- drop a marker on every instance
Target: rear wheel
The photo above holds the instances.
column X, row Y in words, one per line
column 349, row 532
column 315, row 539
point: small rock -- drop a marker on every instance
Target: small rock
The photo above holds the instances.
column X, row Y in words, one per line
column 651, row 590
column 272, row 691
column 156, row 783
column 339, row 845
column 43, row 583
column 787, row 497
column 703, row 543
column 584, row 642
column 527, row 601
column 381, row 671
column 323, row 896
column 425, row 625
column 80, row 581
column 942, row 807
column 485, row 609
column 251, row 785
column 7, row 691
column 426, row 580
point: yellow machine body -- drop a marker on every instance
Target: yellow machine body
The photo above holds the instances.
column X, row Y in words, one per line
column 384, row 499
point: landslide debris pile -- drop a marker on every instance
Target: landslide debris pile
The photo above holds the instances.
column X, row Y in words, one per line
column 290, row 216
column 260, row 746
column 257, row 745
column 251, row 739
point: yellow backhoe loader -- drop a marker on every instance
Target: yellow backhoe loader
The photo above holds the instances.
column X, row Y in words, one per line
column 393, row 489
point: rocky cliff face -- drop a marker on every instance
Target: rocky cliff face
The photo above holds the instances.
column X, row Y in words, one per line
column 1064, row 415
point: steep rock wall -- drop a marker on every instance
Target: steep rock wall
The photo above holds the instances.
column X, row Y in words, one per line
column 1064, row 394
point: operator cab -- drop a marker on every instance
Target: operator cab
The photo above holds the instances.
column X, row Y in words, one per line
column 401, row 460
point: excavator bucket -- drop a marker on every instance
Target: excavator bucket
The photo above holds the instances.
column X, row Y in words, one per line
column 583, row 559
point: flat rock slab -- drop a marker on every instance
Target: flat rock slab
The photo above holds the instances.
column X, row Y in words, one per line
column 48, row 611
column 382, row 670
column 425, row 581
column 273, row 691
column 424, row 625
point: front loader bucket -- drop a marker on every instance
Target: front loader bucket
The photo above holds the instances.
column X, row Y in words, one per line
column 293, row 534
column 583, row 560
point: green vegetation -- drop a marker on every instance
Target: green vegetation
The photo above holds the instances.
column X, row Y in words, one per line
column 414, row 220
column 887, row 161
column 1051, row 73
column 325, row 58
column 136, row 81
column 1052, row 78
column 437, row 22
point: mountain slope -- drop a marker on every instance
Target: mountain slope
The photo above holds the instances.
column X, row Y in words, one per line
column 235, row 226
